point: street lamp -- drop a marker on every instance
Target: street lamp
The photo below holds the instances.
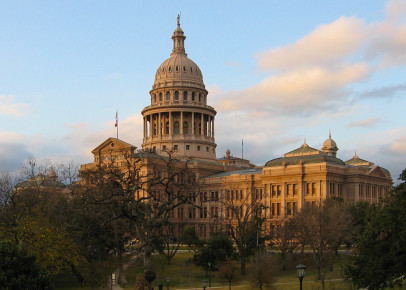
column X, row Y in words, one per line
column 204, row 284
column 209, row 264
column 167, row 283
column 301, row 272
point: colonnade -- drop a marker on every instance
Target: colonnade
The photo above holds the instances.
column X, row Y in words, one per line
column 186, row 123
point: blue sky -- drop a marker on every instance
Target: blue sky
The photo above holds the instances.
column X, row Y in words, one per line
column 277, row 72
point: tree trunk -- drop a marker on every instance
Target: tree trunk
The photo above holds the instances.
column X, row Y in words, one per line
column 147, row 259
column 243, row 272
column 121, row 275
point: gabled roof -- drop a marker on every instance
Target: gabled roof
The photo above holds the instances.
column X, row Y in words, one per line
column 115, row 141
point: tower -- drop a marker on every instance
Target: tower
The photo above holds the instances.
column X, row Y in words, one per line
column 179, row 118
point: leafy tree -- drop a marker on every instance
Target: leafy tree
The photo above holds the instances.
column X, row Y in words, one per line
column 219, row 248
column 381, row 261
column 19, row 270
column 190, row 238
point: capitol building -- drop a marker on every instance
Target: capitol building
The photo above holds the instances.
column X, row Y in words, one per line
column 180, row 120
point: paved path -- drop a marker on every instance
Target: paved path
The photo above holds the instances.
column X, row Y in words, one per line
column 125, row 266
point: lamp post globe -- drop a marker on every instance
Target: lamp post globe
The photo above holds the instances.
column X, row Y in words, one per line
column 204, row 284
column 301, row 272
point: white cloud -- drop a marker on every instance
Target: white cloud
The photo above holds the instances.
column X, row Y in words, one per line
column 369, row 122
column 399, row 146
column 299, row 91
column 326, row 45
column 8, row 107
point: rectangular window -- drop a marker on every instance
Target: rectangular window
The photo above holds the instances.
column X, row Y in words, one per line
column 278, row 209
column 278, row 190
column 288, row 189
column 175, row 147
column 164, row 147
column 273, row 190
column 187, row 147
column 207, row 149
column 313, row 188
column 294, row 189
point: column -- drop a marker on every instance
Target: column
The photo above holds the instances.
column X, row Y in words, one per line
column 209, row 125
column 159, row 125
column 181, row 123
column 170, row 123
column 151, row 132
column 283, row 203
column 193, row 123
column 212, row 130
column 202, row 124
column 144, row 131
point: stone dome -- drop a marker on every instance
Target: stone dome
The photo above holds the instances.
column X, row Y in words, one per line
column 178, row 69
column 329, row 144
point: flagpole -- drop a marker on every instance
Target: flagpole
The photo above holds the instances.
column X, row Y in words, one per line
column 242, row 148
column 117, row 122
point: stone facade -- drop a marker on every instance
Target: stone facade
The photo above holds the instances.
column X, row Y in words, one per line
column 180, row 121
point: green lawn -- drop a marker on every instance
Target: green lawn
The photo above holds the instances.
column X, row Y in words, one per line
column 183, row 274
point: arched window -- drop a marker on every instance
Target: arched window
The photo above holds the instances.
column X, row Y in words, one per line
column 200, row 129
column 177, row 68
column 168, row 95
column 193, row 96
column 176, row 128
column 200, row 96
column 160, row 96
column 167, row 128
column 176, row 95
column 155, row 131
column 185, row 128
column 185, row 95
column 154, row 98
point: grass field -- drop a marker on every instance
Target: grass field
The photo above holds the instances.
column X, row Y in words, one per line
column 183, row 274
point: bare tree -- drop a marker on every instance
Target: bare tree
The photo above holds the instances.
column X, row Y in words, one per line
column 322, row 228
column 261, row 274
column 242, row 221
column 284, row 237
column 228, row 271
column 171, row 243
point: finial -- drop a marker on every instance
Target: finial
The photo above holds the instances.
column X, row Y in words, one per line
column 329, row 134
column 304, row 143
column 178, row 19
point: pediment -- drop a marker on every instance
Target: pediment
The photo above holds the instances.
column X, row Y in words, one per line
column 377, row 172
column 113, row 144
